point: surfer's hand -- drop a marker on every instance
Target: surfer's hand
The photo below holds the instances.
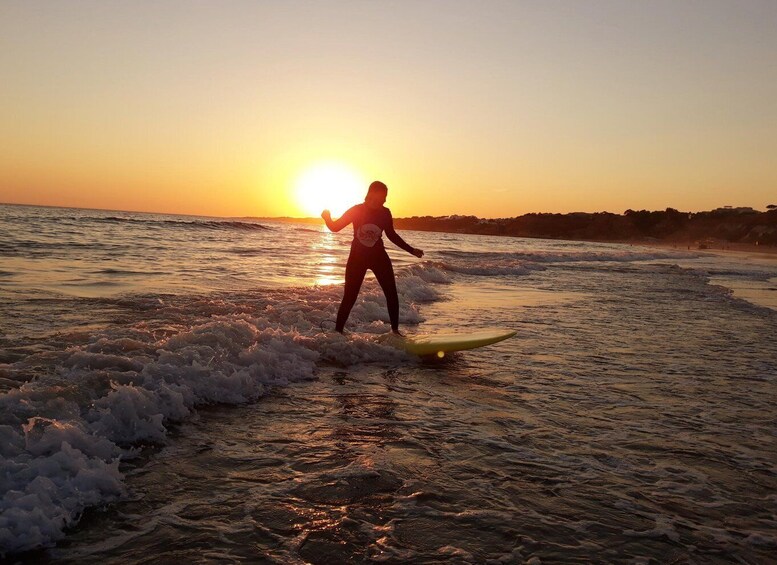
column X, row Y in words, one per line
column 418, row 252
column 326, row 215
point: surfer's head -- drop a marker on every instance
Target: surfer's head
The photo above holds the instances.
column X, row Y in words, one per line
column 376, row 194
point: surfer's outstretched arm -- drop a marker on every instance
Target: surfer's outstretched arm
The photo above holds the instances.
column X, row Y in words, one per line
column 395, row 238
column 341, row 222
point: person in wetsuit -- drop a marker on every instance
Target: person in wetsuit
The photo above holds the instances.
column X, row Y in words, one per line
column 370, row 220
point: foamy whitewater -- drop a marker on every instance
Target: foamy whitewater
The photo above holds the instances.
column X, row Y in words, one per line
column 171, row 389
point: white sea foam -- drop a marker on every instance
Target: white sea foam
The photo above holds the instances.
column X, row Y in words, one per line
column 65, row 433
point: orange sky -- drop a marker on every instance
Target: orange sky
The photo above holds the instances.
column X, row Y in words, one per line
column 494, row 110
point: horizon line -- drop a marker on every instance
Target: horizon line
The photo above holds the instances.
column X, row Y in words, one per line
column 317, row 217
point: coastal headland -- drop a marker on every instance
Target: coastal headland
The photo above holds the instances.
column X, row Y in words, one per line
column 743, row 229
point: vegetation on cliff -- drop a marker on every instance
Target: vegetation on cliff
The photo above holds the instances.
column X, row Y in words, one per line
column 735, row 225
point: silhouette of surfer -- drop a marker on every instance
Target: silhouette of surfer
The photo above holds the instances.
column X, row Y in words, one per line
column 370, row 220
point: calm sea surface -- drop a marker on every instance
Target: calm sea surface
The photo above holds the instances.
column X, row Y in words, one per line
column 171, row 389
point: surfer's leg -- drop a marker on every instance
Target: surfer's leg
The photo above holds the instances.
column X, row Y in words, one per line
column 355, row 270
column 384, row 272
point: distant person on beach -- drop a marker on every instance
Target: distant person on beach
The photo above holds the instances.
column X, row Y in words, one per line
column 370, row 220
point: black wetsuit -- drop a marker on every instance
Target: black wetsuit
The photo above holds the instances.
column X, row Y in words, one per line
column 368, row 252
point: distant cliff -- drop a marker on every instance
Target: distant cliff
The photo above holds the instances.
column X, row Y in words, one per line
column 735, row 225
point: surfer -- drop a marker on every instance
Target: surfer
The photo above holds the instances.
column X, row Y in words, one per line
column 370, row 220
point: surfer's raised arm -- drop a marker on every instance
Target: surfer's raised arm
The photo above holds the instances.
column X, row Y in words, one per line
column 395, row 238
column 341, row 222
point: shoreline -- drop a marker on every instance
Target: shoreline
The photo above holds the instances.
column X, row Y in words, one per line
column 722, row 249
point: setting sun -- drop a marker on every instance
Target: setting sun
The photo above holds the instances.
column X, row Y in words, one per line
column 333, row 186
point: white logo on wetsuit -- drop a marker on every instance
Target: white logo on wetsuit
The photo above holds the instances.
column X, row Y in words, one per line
column 368, row 234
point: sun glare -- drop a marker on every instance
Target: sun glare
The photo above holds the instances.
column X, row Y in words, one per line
column 331, row 186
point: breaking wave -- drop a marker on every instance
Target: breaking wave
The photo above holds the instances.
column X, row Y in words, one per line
column 63, row 435
column 201, row 224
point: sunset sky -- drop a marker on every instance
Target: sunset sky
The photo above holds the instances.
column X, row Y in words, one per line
column 488, row 108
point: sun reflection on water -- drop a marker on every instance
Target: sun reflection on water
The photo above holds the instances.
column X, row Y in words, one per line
column 327, row 256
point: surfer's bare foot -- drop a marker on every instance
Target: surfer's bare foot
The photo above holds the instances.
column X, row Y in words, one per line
column 397, row 332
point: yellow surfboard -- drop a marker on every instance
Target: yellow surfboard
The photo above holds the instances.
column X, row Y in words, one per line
column 440, row 344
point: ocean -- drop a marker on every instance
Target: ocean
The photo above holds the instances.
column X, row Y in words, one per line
column 171, row 388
